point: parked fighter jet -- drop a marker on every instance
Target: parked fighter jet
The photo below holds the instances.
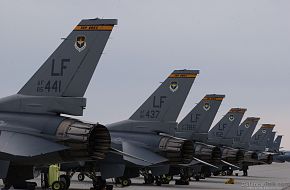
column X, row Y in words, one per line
column 144, row 140
column 148, row 129
column 194, row 127
column 280, row 156
column 32, row 131
column 259, row 140
column 221, row 129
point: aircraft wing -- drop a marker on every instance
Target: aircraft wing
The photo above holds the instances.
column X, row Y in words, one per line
column 19, row 144
column 141, row 156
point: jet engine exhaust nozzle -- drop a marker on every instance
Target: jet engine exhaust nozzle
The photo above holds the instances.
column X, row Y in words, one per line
column 178, row 151
column 87, row 141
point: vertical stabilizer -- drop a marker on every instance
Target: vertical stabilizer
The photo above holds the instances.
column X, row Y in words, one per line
column 277, row 143
column 259, row 139
column 68, row 71
column 229, row 121
column 197, row 122
column 244, row 132
column 166, row 102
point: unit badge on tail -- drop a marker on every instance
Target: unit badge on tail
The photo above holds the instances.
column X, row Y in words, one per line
column 247, row 125
column 231, row 118
column 206, row 106
column 173, row 86
column 80, row 43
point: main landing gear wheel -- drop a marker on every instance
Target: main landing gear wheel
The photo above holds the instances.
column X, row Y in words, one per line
column 149, row 179
column 81, row 177
column 124, row 181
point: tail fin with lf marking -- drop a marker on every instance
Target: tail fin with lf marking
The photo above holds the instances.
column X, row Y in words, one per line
column 196, row 123
column 277, row 143
column 60, row 83
column 229, row 121
column 244, row 132
column 259, row 139
column 166, row 102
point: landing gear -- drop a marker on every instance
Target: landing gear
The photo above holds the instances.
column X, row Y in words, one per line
column 158, row 181
column 185, row 174
column 165, row 179
column 245, row 170
column 182, row 181
column 124, row 181
column 81, row 177
column 66, row 180
column 230, row 172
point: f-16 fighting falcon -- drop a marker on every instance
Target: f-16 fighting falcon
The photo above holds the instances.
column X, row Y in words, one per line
column 33, row 133
column 142, row 144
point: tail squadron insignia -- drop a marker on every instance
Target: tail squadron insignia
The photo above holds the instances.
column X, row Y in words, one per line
column 247, row 125
column 264, row 131
column 231, row 118
column 80, row 43
column 173, row 86
column 206, row 106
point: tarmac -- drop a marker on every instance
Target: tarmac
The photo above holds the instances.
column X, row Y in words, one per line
column 262, row 177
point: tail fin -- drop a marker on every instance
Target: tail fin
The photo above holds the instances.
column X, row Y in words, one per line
column 244, row 132
column 61, row 82
column 197, row 122
column 259, row 139
column 277, row 143
column 229, row 121
column 68, row 71
column 270, row 141
column 166, row 102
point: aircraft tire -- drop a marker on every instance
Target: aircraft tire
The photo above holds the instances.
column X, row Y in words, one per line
column 81, row 177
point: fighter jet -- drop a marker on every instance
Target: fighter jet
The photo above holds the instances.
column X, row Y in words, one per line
column 144, row 141
column 33, row 133
column 279, row 156
column 194, row 126
column 259, row 140
column 148, row 129
column 231, row 157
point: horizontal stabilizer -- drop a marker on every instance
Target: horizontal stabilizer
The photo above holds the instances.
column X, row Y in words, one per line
column 139, row 155
column 232, row 165
column 18, row 144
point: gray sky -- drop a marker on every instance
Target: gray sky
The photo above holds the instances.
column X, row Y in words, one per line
column 242, row 48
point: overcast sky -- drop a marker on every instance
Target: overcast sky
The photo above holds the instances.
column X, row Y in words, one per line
column 242, row 49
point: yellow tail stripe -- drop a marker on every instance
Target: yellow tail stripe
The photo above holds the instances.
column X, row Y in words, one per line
column 94, row 28
column 190, row 75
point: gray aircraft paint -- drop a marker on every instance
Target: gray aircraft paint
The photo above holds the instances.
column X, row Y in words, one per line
column 166, row 102
column 270, row 140
column 259, row 139
column 196, row 123
column 160, row 111
column 60, row 83
column 277, row 143
column 244, row 132
column 31, row 130
column 229, row 121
